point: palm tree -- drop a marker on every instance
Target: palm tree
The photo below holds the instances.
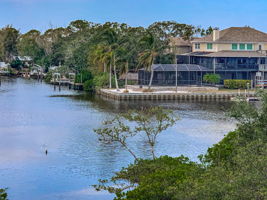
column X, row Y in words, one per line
column 99, row 54
column 152, row 48
column 111, row 38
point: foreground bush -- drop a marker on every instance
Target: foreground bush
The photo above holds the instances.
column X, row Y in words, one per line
column 237, row 84
column 3, row 194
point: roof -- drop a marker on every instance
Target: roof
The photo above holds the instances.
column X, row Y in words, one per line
column 130, row 76
column 3, row 65
column 180, row 67
column 23, row 58
column 223, row 54
column 178, row 41
column 236, row 34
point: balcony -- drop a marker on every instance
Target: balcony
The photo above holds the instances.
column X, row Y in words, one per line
column 263, row 67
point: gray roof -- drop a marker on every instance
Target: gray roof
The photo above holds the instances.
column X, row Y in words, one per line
column 180, row 67
column 224, row 54
column 236, row 34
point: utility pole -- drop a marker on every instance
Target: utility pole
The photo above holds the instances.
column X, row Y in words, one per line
column 176, row 74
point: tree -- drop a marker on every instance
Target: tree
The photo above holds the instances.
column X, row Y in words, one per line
column 235, row 168
column 28, row 46
column 150, row 121
column 3, row 194
column 9, row 42
column 152, row 48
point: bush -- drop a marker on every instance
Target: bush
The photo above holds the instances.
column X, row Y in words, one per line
column 212, row 78
column 48, row 77
column 3, row 194
column 83, row 76
column 236, row 84
column 89, row 85
column 102, row 80
column 17, row 64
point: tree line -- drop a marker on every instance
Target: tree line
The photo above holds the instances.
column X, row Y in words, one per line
column 112, row 48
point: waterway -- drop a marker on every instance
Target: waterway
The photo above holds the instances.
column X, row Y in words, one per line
column 34, row 117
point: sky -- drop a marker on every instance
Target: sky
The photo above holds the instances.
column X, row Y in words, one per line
column 43, row 14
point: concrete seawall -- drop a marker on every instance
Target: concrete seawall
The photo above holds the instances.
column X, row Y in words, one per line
column 201, row 96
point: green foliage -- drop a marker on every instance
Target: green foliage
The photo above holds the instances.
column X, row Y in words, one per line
column 3, row 194
column 212, row 78
column 235, row 168
column 48, row 77
column 237, row 84
column 17, row 64
column 8, row 42
column 89, row 85
column 102, row 80
column 83, row 76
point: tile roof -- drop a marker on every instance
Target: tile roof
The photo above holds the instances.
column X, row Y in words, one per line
column 178, row 41
column 236, row 34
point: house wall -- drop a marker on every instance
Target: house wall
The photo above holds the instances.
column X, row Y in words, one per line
column 226, row 47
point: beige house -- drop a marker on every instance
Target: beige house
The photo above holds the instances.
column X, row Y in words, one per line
column 232, row 39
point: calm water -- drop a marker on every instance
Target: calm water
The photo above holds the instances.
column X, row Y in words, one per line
column 33, row 118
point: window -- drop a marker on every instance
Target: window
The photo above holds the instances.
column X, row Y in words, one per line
column 249, row 46
column 209, row 46
column 234, row 46
column 197, row 46
column 242, row 46
column 260, row 47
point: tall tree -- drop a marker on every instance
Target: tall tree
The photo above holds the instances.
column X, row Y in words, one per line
column 152, row 47
column 9, row 42
column 28, row 46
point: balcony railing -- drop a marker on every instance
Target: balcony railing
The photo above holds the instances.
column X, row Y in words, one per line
column 222, row 66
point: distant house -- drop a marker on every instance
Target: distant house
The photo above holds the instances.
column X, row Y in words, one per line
column 3, row 68
column 26, row 60
column 234, row 53
column 178, row 45
column 3, row 65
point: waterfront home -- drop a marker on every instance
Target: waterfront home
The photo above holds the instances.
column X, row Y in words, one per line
column 234, row 53
column 26, row 60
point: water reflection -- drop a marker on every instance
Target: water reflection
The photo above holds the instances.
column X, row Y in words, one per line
column 33, row 115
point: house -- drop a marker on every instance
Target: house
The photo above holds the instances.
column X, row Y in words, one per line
column 179, row 45
column 26, row 60
column 233, row 53
column 3, row 68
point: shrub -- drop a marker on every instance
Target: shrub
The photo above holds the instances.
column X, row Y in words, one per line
column 102, row 80
column 17, row 64
column 236, row 84
column 89, row 85
column 48, row 77
column 83, row 76
column 3, row 194
column 212, row 78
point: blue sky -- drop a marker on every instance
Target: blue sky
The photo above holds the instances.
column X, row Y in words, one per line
column 42, row 14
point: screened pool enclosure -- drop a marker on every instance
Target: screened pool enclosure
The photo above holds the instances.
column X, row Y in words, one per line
column 170, row 74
